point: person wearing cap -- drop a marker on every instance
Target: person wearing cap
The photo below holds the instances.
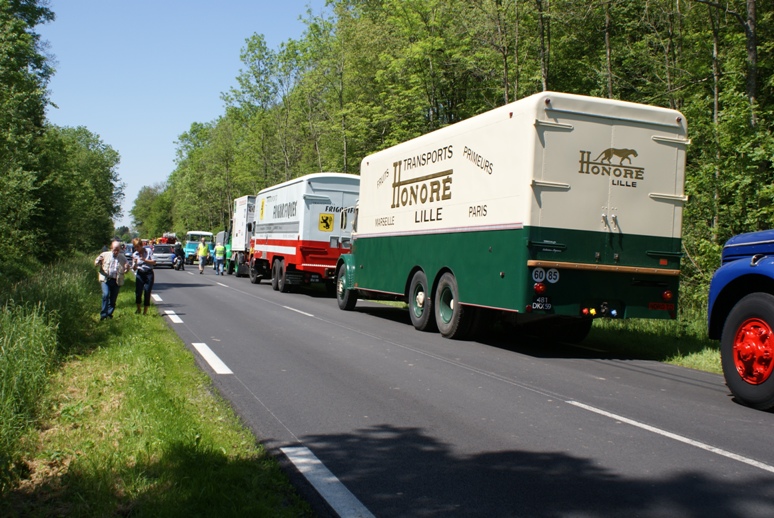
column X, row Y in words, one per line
column 112, row 267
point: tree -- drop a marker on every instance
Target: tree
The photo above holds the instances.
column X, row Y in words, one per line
column 24, row 74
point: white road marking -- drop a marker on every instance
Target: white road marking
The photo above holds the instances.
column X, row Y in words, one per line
column 674, row 436
column 173, row 317
column 298, row 311
column 330, row 488
column 220, row 283
column 156, row 297
column 210, row 357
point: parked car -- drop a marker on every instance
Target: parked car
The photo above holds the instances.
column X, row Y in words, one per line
column 128, row 251
column 164, row 255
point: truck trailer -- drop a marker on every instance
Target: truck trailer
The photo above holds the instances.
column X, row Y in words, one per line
column 550, row 211
column 298, row 236
column 242, row 221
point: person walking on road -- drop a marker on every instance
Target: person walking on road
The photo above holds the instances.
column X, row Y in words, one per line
column 220, row 258
column 142, row 264
column 203, row 252
column 112, row 267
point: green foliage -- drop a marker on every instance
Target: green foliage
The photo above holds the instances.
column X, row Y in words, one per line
column 41, row 320
column 27, row 351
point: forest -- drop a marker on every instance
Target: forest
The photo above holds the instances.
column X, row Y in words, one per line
column 367, row 74
column 59, row 187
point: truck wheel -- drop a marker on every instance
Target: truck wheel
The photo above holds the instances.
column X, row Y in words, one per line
column 420, row 303
column 345, row 297
column 747, row 351
column 254, row 277
column 275, row 275
column 282, row 283
column 450, row 316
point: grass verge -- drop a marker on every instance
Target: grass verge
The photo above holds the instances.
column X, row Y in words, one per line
column 131, row 426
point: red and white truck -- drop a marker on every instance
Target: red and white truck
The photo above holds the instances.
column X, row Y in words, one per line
column 297, row 236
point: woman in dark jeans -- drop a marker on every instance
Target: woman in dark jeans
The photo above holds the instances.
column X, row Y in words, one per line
column 142, row 264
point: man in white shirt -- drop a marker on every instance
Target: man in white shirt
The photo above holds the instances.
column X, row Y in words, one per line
column 112, row 267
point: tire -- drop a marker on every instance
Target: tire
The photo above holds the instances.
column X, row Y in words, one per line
column 451, row 317
column 345, row 297
column 747, row 351
column 420, row 303
column 282, row 284
column 275, row 275
column 254, row 277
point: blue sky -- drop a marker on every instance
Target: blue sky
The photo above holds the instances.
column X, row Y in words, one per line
column 138, row 73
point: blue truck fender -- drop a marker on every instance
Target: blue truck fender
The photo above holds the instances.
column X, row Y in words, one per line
column 733, row 281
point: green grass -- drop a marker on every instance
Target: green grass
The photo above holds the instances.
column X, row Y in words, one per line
column 683, row 342
column 130, row 425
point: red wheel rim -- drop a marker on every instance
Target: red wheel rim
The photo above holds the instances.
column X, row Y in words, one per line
column 754, row 351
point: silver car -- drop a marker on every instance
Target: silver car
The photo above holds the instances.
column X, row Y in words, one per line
column 164, row 255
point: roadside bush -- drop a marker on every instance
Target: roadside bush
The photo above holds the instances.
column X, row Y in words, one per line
column 67, row 290
column 42, row 319
column 27, row 354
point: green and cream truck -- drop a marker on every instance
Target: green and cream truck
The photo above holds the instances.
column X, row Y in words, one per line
column 550, row 211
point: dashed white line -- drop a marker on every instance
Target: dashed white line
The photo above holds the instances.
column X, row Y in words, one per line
column 210, row 357
column 330, row 488
column 173, row 317
column 676, row 437
column 156, row 297
column 221, row 284
column 298, row 311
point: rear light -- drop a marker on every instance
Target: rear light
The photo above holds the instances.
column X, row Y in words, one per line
column 540, row 288
column 667, row 296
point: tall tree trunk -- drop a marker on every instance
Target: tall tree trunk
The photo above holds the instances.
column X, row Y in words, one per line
column 748, row 22
column 608, row 53
column 716, row 120
column 543, row 28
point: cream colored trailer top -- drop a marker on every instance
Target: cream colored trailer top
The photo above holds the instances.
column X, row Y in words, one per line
column 551, row 160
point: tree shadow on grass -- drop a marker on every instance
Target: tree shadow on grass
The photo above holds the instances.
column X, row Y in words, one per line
column 186, row 481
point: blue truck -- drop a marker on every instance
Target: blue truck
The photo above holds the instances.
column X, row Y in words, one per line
column 741, row 316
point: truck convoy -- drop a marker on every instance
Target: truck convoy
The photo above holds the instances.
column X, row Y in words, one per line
column 550, row 211
column 298, row 236
column 741, row 316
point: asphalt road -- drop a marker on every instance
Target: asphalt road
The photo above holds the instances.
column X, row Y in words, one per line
column 411, row 424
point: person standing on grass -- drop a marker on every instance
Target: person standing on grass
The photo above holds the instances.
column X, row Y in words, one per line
column 220, row 258
column 204, row 253
column 142, row 264
column 112, row 267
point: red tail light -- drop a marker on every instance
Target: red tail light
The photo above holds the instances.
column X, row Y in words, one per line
column 540, row 288
column 667, row 296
